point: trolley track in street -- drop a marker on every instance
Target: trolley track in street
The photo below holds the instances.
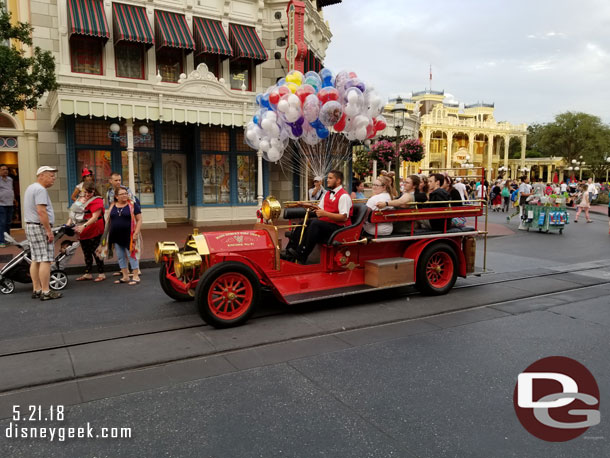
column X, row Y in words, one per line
column 165, row 333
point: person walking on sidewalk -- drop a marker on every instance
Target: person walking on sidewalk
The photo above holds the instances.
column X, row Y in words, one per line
column 90, row 232
column 584, row 204
column 7, row 201
column 39, row 219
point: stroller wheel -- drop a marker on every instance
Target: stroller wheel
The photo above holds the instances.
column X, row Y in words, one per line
column 58, row 280
column 7, row 286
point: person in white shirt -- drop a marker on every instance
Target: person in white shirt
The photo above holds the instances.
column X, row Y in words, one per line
column 333, row 212
column 461, row 188
column 383, row 191
column 525, row 190
column 563, row 187
column 318, row 191
column 591, row 189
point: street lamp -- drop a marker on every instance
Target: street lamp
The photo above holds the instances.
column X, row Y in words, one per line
column 502, row 170
column 114, row 130
column 398, row 111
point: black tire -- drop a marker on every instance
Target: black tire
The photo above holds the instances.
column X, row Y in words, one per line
column 168, row 289
column 210, row 285
column 436, row 283
column 7, row 286
column 58, row 280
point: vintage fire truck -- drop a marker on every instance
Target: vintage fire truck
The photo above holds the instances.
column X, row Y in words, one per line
column 225, row 272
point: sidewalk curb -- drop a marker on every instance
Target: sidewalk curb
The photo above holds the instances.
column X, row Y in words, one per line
column 113, row 267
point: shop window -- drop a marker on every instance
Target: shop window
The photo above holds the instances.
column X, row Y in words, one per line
column 240, row 144
column 241, row 73
column 216, row 178
column 99, row 162
column 169, row 64
column 6, row 122
column 212, row 61
column 143, row 170
column 129, row 60
column 215, row 139
column 86, row 55
column 172, row 138
column 246, row 179
column 91, row 132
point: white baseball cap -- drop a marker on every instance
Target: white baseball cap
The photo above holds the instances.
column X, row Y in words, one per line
column 318, row 178
column 45, row 168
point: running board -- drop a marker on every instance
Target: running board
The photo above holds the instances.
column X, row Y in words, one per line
column 336, row 292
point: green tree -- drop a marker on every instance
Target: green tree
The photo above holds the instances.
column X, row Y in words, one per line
column 23, row 80
column 574, row 134
column 362, row 164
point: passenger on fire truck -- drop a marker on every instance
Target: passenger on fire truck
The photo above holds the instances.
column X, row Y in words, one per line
column 334, row 212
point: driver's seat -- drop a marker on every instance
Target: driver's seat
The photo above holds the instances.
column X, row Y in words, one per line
column 354, row 231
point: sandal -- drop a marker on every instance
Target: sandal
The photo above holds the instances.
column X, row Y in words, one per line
column 120, row 280
column 99, row 278
column 84, row 278
column 134, row 282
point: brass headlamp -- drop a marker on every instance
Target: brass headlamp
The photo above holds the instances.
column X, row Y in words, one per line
column 271, row 209
column 165, row 249
column 185, row 261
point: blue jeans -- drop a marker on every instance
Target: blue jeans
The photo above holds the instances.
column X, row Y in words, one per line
column 123, row 255
column 6, row 217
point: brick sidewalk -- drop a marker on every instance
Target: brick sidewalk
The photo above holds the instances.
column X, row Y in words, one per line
column 178, row 234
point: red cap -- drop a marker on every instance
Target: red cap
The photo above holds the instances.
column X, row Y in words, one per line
column 87, row 172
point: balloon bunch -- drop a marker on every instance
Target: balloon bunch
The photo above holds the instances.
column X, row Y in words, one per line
column 311, row 106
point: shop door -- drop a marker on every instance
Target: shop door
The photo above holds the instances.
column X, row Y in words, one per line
column 175, row 196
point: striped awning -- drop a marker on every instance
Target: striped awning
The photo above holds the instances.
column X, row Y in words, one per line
column 131, row 24
column 210, row 37
column 87, row 17
column 172, row 31
column 312, row 63
column 246, row 43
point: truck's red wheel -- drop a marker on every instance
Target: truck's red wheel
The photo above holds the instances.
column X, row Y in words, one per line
column 227, row 294
column 167, row 286
column 436, row 269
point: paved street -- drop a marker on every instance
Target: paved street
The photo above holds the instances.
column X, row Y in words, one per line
column 392, row 374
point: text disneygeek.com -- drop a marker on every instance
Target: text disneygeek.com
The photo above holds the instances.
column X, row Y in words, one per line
column 27, row 424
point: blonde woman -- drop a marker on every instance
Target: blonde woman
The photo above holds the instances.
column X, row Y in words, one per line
column 411, row 194
column 382, row 192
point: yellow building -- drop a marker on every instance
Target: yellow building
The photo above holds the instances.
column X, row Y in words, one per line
column 462, row 136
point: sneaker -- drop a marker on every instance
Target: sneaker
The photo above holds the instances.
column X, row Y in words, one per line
column 3, row 245
column 36, row 294
column 50, row 296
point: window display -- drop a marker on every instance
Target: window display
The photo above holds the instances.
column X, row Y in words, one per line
column 246, row 179
column 143, row 168
column 129, row 60
column 86, row 55
column 216, row 179
column 99, row 162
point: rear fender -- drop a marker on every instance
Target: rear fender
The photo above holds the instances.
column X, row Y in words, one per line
column 414, row 251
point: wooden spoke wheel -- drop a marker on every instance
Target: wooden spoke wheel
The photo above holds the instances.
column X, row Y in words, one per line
column 436, row 269
column 227, row 294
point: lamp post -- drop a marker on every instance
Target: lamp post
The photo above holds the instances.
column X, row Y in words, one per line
column 131, row 140
column 501, row 171
column 398, row 111
column 576, row 166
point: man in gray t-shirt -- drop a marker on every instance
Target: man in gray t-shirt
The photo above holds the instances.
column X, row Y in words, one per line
column 39, row 219
column 7, row 201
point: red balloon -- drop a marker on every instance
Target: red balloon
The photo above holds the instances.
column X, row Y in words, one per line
column 353, row 75
column 341, row 124
column 328, row 94
column 380, row 124
column 283, row 90
column 274, row 98
column 370, row 130
column 303, row 92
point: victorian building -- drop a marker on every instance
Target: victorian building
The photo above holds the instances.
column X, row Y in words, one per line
column 159, row 91
column 468, row 136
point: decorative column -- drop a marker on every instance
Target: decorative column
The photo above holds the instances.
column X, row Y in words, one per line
column 259, row 187
column 374, row 169
column 130, row 168
column 426, row 164
column 490, row 152
column 523, row 152
column 471, row 146
column 449, row 155
column 506, row 145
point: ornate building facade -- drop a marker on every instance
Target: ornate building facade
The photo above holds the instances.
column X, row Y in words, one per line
column 455, row 137
column 159, row 91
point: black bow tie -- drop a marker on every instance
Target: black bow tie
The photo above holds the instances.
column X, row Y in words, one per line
column 331, row 192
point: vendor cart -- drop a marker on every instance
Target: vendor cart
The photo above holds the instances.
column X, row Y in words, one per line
column 545, row 218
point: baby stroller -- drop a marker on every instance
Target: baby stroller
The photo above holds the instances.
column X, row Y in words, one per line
column 18, row 268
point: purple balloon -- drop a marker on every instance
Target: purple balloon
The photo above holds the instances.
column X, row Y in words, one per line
column 297, row 129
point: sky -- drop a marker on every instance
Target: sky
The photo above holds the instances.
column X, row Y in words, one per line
column 534, row 59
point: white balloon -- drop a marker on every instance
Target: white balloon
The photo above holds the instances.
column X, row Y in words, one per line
column 293, row 100
column 293, row 114
column 274, row 154
column 283, row 106
column 360, row 133
column 264, row 145
column 351, row 109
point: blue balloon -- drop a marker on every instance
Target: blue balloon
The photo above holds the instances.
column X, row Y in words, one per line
column 259, row 98
column 317, row 124
column 256, row 119
column 322, row 132
column 281, row 82
column 327, row 77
